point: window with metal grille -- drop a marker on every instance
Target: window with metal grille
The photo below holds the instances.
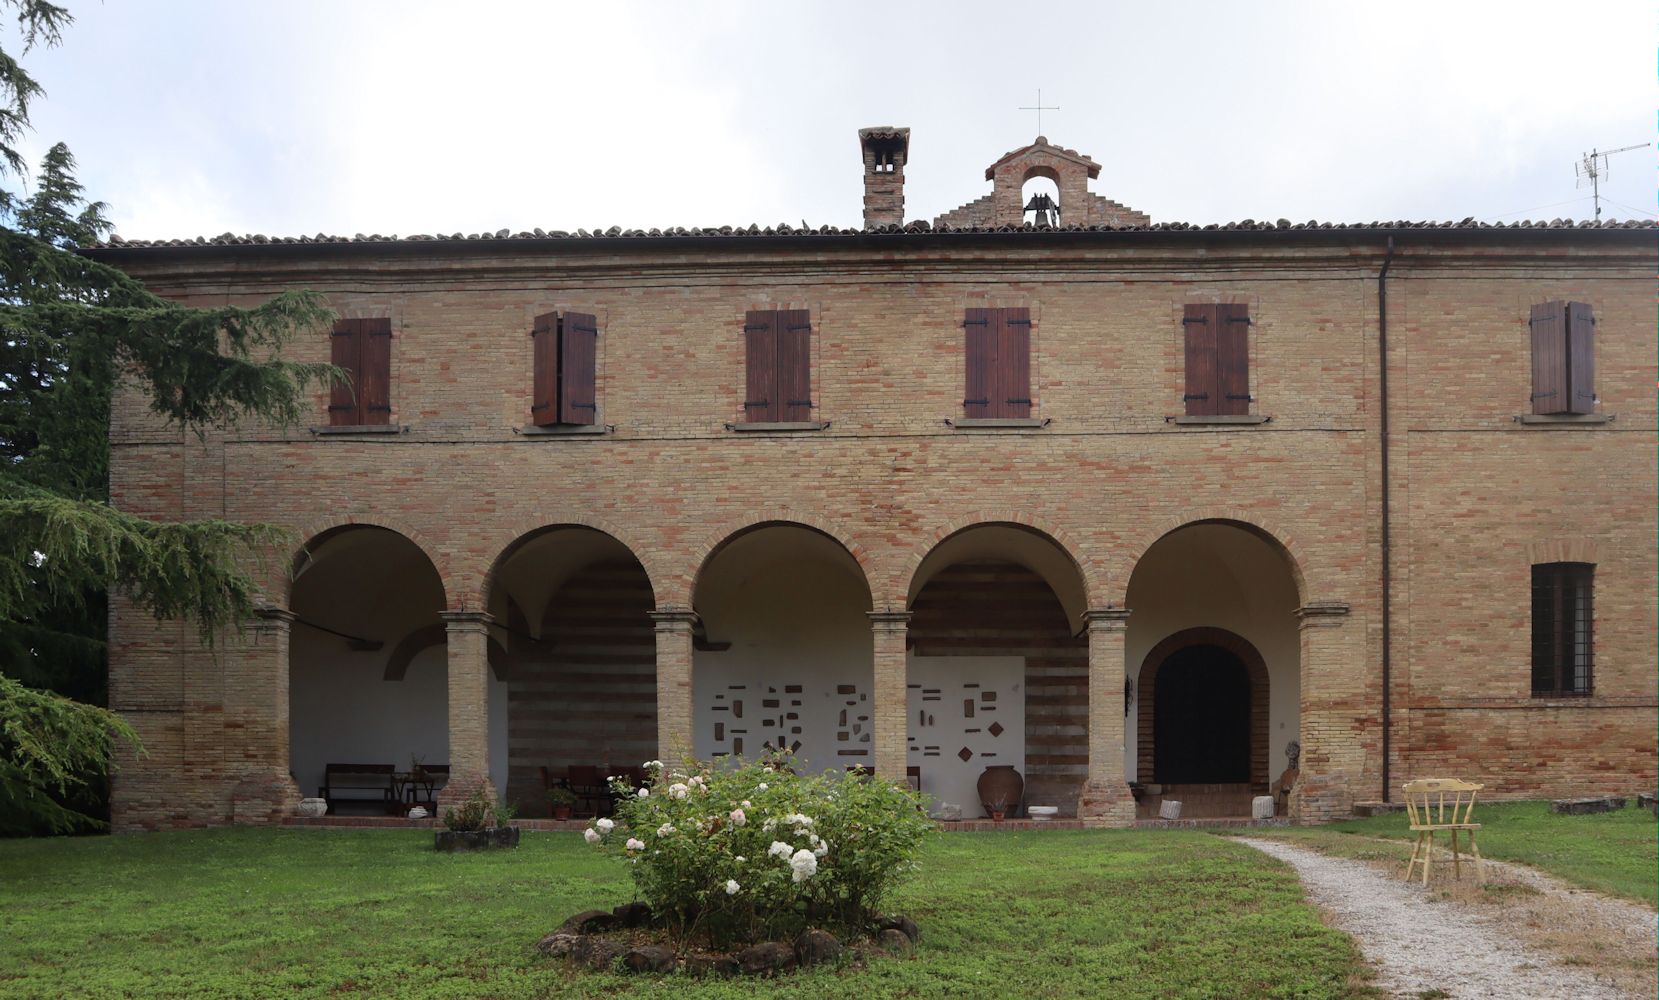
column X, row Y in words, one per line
column 1563, row 649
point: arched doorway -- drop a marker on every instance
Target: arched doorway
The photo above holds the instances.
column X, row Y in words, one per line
column 1201, row 725
column 572, row 608
column 782, row 660
column 998, row 672
column 368, row 678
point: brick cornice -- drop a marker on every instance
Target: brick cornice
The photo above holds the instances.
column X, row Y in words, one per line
column 467, row 621
column 674, row 618
column 889, row 620
column 1322, row 614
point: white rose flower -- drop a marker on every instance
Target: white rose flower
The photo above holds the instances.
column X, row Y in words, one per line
column 745, row 803
column 821, row 850
column 645, row 793
column 635, row 844
column 779, row 849
column 741, row 859
column 804, row 864
column 665, row 829
column 590, row 835
column 761, row 786
column 677, row 791
column 738, row 818
column 732, row 887
column 605, row 825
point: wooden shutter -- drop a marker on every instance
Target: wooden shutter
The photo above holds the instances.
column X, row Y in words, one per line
column 345, row 352
column 1013, row 379
column 376, row 369
column 1581, row 357
column 544, row 347
column 1549, row 358
column 1199, row 324
column 794, row 356
column 1232, row 359
column 760, row 340
column 578, row 351
column 979, row 349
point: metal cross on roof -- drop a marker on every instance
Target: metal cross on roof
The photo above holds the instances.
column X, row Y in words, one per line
column 1040, row 109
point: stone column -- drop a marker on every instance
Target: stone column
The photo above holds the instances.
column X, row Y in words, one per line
column 675, row 711
column 1333, row 702
column 1106, row 800
column 469, row 706
column 256, row 719
column 889, row 714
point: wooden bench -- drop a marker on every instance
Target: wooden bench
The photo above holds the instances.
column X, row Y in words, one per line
column 369, row 783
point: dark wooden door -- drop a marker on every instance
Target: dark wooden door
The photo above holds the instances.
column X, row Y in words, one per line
column 1201, row 718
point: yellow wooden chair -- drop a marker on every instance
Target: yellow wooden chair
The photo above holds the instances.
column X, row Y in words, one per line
column 1436, row 804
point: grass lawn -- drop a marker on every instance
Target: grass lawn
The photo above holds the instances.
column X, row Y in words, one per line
column 282, row 913
column 1616, row 853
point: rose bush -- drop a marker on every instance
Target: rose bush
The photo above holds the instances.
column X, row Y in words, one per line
column 751, row 851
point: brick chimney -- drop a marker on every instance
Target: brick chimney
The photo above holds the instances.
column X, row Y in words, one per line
column 885, row 150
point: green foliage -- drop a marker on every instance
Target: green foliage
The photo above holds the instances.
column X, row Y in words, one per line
column 479, row 811
column 303, row 913
column 561, row 797
column 49, row 745
column 752, row 851
column 70, row 330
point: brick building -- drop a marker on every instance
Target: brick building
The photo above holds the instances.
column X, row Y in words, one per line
column 1109, row 501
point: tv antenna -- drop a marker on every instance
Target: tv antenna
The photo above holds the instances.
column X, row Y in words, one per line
column 1593, row 167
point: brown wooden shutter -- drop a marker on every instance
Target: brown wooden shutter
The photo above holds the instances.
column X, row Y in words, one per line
column 345, row 351
column 1549, row 358
column 1199, row 324
column 979, row 348
column 794, row 364
column 1014, row 363
column 544, row 380
column 376, row 368
column 760, row 339
column 578, row 352
column 1581, row 357
column 1232, row 359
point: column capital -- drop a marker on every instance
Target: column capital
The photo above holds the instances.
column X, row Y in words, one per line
column 1106, row 619
column 466, row 621
column 674, row 618
column 889, row 620
column 1322, row 614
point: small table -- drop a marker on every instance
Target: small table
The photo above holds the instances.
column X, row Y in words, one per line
column 407, row 787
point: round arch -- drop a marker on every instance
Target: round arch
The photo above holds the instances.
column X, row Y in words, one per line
column 1076, row 594
column 1146, row 690
column 681, row 589
column 1270, row 532
column 319, row 533
column 508, row 541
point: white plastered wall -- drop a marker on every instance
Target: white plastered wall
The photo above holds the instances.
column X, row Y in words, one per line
column 794, row 606
column 1219, row 576
column 376, row 585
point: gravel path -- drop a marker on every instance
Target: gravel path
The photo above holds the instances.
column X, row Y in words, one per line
column 1418, row 945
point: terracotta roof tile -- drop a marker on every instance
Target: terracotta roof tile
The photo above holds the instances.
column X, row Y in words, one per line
column 913, row 228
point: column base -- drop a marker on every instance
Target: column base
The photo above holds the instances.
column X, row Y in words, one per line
column 1321, row 798
column 264, row 799
column 1106, row 804
column 460, row 787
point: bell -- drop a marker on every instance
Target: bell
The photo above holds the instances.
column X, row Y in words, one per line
column 1048, row 213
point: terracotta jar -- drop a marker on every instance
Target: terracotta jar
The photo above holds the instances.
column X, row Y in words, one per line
column 1000, row 789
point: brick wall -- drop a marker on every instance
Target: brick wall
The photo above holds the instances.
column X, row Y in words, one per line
column 1476, row 495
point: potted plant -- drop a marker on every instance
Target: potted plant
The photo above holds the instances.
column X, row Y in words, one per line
column 560, row 801
column 477, row 823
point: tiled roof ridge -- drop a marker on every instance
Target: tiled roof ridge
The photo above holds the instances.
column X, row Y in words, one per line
column 912, row 228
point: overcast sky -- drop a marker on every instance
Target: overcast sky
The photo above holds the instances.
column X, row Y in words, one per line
column 198, row 117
